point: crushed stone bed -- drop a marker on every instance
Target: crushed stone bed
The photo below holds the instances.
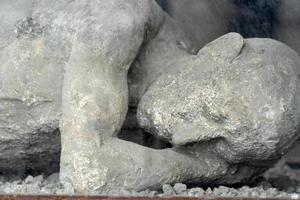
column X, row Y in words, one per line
column 281, row 181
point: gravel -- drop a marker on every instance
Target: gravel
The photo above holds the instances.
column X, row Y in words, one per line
column 168, row 190
column 180, row 188
column 282, row 181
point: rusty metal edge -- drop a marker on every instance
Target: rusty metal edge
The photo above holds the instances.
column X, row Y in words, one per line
column 65, row 197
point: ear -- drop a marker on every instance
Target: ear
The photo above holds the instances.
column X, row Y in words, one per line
column 225, row 48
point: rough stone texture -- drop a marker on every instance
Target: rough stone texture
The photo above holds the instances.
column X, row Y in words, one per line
column 93, row 159
column 288, row 31
column 168, row 43
column 32, row 56
column 73, row 36
column 213, row 19
column 236, row 98
column 43, row 39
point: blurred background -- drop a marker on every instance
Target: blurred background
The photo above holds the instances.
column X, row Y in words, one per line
column 205, row 20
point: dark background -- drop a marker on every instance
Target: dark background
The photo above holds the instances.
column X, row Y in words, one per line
column 205, row 20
